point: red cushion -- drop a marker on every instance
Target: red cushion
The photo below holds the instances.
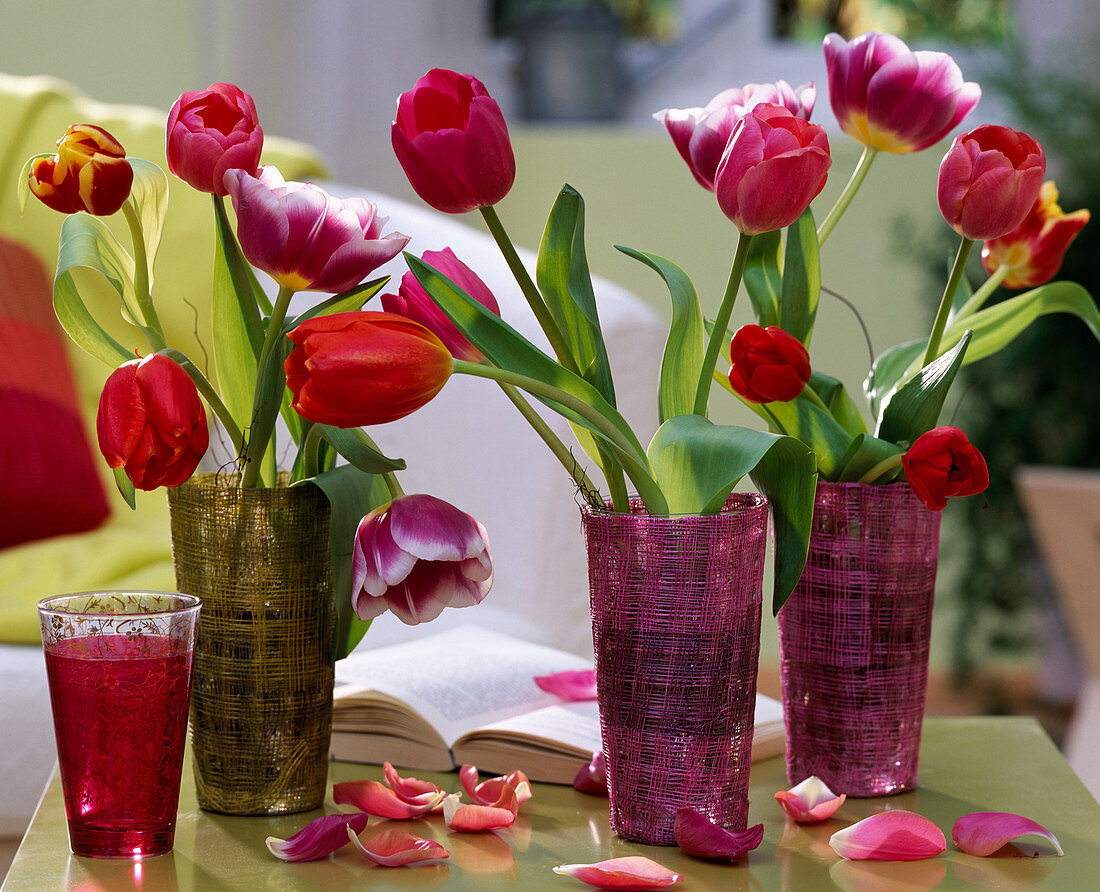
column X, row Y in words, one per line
column 49, row 484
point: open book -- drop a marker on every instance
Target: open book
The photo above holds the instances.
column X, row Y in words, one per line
column 467, row 696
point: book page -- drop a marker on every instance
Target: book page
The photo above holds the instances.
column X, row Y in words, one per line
column 461, row 678
column 575, row 725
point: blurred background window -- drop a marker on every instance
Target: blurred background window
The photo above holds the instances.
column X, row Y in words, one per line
column 958, row 22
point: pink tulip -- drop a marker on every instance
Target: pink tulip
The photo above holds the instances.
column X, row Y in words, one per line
column 892, row 99
column 989, row 180
column 700, row 134
column 415, row 303
column 304, row 238
column 451, row 140
column 774, row 165
column 210, row 132
column 417, row 555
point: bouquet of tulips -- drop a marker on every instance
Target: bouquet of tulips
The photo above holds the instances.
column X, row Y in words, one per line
column 328, row 371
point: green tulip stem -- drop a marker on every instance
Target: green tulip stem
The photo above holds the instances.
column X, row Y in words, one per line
column 154, row 331
column 933, row 348
column 257, row 444
column 850, row 190
column 813, row 397
column 538, row 306
column 721, row 321
column 634, row 460
column 887, row 464
column 560, row 450
column 979, row 297
column 212, row 397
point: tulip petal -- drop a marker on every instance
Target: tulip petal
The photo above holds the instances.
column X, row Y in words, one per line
column 896, row 835
column 592, row 778
column 495, row 791
column 318, row 838
column 572, row 684
column 633, row 872
column 698, row 835
column 413, row 790
column 983, row 833
column 465, row 818
column 809, row 801
column 377, row 799
column 396, row 848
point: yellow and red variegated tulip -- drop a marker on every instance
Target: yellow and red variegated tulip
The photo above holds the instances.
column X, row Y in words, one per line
column 364, row 367
column 151, row 422
column 451, row 140
column 896, row 835
column 773, row 166
column 700, row 134
column 702, row 837
column 399, row 848
column 892, row 99
column 943, row 463
column 989, row 180
column 1034, row 250
column 413, row 301
column 304, row 238
column 417, row 555
column 631, row 872
column 319, row 838
column 211, row 131
column 809, row 801
column 985, row 832
column 89, row 173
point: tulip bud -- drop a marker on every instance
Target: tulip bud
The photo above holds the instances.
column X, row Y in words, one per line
column 774, row 165
column 989, row 180
column 89, row 173
column 767, row 364
column 151, row 422
column 451, row 140
column 365, row 367
column 942, row 463
column 211, row 131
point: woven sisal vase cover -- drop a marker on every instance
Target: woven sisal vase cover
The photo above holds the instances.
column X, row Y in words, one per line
column 676, row 631
column 854, row 639
column 261, row 698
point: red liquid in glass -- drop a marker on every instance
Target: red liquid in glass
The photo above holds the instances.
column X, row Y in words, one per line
column 120, row 717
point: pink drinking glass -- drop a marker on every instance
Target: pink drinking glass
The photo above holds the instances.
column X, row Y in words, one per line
column 119, row 670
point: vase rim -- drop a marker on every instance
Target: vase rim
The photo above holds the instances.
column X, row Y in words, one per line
column 737, row 503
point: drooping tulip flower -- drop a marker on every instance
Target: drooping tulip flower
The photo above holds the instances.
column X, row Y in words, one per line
column 943, row 463
column 989, row 180
column 365, row 367
column 774, row 165
column 700, row 134
column 892, row 99
column 1034, row 250
column 89, row 173
column 417, row 555
column 413, row 301
column 767, row 364
column 451, row 140
column 151, row 422
column 304, row 238
column 211, row 131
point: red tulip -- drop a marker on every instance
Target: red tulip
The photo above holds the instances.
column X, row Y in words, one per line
column 700, row 134
column 365, row 367
column 211, row 131
column 415, row 303
column 304, row 238
column 989, row 180
column 774, row 165
column 451, row 140
column 887, row 97
column 151, row 422
column 1034, row 250
column 767, row 364
column 943, row 463
column 89, row 173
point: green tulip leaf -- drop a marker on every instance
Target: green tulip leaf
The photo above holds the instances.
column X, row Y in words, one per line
column 86, row 242
column 763, row 276
column 345, row 302
column 359, row 450
column 915, row 406
column 801, row 278
column 686, row 344
column 888, row 369
column 866, row 453
column 149, row 198
column 698, row 464
column 351, row 495
column 125, row 487
column 835, row 396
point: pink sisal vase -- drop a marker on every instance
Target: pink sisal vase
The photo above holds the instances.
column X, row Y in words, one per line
column 854, row 637
column 676, row 630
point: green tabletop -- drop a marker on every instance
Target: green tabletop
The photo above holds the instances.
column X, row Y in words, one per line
column 974, row 764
